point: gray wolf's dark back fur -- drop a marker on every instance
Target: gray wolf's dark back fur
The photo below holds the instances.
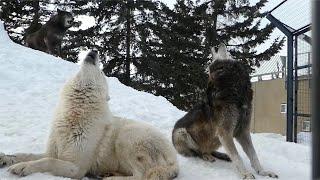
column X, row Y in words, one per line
column 49, row 37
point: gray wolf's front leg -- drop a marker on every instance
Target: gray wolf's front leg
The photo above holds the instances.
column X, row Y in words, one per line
column 8, row 160
column 50, row 47
column 53, row 166
column 226, row 140
column 245, row 141
column 59, row 50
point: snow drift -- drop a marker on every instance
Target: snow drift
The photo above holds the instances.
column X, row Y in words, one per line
column 29, row 86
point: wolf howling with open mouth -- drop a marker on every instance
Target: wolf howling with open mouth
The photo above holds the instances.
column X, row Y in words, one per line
column 224, row 115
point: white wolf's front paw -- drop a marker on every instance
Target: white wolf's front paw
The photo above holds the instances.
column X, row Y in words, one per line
column 6, row 160
column 21, row 169
column 248, row 176
column 268, row 173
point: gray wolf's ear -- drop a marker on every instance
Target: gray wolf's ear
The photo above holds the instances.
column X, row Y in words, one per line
column 222, row 51
column 58, row 10
column 108, row 97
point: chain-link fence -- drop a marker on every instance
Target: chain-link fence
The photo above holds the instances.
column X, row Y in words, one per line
column 302, row 81
column 293, row 18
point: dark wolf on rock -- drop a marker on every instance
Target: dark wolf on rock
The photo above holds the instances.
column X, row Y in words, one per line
column 49, row 36
column 225, row 114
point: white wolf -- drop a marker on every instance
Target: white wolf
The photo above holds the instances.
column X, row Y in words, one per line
column 86, row 138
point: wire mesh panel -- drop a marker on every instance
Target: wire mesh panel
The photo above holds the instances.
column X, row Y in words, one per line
column 303, row 77
column 294, row 13
column 293, row 18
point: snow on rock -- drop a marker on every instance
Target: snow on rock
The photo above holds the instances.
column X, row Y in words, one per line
column 30, row 82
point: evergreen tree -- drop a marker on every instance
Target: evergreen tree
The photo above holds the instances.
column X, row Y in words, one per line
column 151, row 47
column 238, row 25
column 17, row 16
column 182, row 42
column 125, row 26
column 175, row 67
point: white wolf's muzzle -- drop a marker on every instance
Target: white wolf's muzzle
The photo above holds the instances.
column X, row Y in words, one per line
column 92, row 57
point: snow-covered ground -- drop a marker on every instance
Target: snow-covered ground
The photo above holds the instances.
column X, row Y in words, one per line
column 29, row 85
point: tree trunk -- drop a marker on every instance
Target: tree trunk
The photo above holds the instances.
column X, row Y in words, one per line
column 213, row 41
column 35, row 24
column 128, row 41
column 36, row 8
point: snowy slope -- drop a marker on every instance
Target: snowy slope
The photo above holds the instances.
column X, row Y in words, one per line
column 29, row 85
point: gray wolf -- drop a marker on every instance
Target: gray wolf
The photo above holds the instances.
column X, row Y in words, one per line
column 225, row 114
column 49, row 36
column 86, row 139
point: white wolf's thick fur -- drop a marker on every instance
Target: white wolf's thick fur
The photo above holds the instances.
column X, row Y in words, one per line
column 86, row 138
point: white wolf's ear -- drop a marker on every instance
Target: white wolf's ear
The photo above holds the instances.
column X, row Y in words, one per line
column 222, row 52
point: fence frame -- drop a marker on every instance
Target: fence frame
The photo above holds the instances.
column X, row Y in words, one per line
column 315, row 119
column 292, row 68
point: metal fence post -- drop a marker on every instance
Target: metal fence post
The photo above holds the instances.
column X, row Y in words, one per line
column 289, row 35
column 290, row 89
column 296, row 87
column 315, row 92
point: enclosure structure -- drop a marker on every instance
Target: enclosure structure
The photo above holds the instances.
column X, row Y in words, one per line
column 269, row 97
column 293, row 18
